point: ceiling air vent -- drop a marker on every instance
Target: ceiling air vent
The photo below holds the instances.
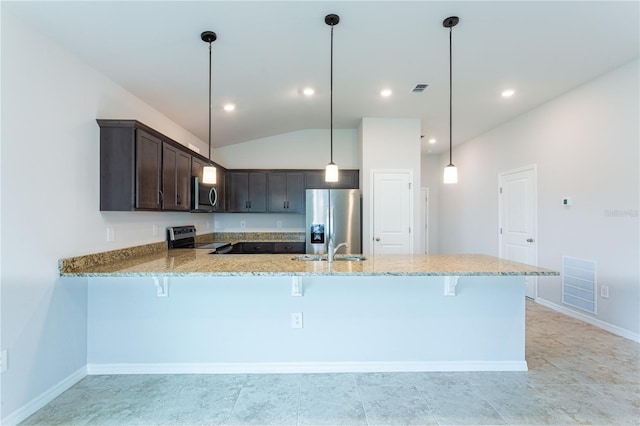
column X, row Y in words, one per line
column 419, row 88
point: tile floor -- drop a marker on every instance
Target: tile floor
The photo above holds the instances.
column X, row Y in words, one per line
column 578, row 374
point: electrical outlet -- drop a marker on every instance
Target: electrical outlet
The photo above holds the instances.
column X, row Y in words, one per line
column 3, row 361
column 111, row 233
column 296, row 320
column 604, row 291
column 156, row 230
column 279, row 224
column 243, row 224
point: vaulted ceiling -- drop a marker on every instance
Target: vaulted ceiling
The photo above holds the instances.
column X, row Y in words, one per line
column 268, row 51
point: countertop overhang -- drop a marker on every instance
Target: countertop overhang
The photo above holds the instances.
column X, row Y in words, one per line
column 199, row 263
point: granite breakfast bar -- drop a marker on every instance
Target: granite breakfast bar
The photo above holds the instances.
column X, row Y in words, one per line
column 191, row 312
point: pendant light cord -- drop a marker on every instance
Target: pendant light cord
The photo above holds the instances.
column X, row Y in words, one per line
column 450, row 99
column 209, row 155
column 331, row 97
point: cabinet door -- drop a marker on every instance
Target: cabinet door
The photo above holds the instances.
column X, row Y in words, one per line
column 183, row 181
column 289, row 247
column 257, row 192
column 237, row 191
column 148, row 171
column 295, row 192
column 257, row 247
column 277, row 192
column 176, row 172
column 196, row 167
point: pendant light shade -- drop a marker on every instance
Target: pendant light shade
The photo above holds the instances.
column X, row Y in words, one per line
column 450, row 172
column 331, row 171
column 209, row 171
column 209, row 175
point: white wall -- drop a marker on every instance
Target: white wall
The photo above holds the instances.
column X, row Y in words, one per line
column 302, row 149
column 431, row 178
column 50, row 206
column 389, row 143
column 585, row 144
column 244, row 324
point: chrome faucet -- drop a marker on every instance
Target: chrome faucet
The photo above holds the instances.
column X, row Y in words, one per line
column 332, row 250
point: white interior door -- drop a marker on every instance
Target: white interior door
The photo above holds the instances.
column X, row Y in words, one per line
column 392, row 212
column 518, row 219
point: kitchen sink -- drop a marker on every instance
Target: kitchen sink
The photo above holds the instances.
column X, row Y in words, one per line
column 310, row 257
column 323, row 257
column 352, row 257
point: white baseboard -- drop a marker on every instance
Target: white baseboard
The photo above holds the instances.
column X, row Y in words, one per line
column 590, row 320
column 44, row 398
column 303, row 367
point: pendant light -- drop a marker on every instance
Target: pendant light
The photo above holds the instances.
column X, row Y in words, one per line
column 331, row 171
column 450, row 172
column 209, row 171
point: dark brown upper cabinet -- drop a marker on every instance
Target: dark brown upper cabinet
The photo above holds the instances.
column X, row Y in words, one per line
column 176, row 177
column 141, row 169
column 130, row 167
column 285, row 192
column 246, row 191
column 348, row 179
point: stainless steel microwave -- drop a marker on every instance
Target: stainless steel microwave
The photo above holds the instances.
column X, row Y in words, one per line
column 204, row 197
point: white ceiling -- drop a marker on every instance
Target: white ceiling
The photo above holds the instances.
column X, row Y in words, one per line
column 267, row 51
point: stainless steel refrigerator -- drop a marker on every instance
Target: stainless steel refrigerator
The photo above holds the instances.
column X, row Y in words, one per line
column 334, row 211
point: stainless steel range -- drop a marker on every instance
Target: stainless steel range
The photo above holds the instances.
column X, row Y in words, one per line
column 181, row 237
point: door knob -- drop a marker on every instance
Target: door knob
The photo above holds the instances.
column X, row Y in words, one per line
column 377, row 238
column 529, row 240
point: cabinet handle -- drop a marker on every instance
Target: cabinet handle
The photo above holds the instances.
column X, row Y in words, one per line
column 161, row 197
column 179, row 201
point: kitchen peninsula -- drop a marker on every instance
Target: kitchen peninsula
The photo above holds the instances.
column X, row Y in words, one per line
column 186, row 311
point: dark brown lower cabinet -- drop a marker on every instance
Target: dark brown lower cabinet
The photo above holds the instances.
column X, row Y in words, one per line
column 268, row 247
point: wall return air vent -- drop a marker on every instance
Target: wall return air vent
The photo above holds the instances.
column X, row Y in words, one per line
column 419, row 88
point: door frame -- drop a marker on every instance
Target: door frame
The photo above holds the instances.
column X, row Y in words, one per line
column 372, row 175
column 424, row 205
column 501, row 177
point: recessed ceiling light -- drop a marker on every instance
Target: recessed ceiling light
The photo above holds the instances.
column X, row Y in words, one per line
column 308, row 91
column 386, row 93
column 508, row 93
column 432, row 141
column 229, row 107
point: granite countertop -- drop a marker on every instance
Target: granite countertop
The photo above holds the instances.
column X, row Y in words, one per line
column 194, row 263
